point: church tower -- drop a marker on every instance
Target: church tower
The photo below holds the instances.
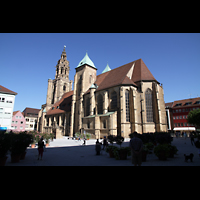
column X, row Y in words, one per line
column 85, row 76
column 61, row 84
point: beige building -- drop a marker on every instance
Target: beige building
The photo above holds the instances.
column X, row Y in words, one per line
column 116, row 102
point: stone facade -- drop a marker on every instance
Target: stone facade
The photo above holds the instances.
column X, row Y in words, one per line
column 50, row 120
column 116, row 102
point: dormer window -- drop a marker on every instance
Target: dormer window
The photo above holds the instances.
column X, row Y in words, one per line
column 188, row 103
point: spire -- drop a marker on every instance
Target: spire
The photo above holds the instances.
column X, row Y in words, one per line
column 86, row 60
column 106, row 69
column 64, row 52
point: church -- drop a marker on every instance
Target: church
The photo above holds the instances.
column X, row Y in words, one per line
column 116, row 102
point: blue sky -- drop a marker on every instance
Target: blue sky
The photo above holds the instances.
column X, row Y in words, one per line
column 27, row 60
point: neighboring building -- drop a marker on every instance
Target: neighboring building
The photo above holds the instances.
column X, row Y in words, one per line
column 18, row 121
column 116, row 102
column 31, row 116
column 7, row 100
column 177, row 113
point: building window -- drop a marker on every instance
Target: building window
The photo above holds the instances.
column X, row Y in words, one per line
column 104, row 124
column 100, row 104
column 87, row 106
column 88, row 124
column 127, row 106
column 2, row 99
column 149, row 105
column 113, row 100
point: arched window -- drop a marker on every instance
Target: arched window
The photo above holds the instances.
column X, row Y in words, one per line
column 149, row 105
column 113, row 101
column 127, row 106
column 100, row 104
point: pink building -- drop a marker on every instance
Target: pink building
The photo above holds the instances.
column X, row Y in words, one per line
column 18, row 121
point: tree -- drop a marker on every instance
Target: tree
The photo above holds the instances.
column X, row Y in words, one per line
column 194, row 117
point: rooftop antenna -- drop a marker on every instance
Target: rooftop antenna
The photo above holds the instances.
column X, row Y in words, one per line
column 190, row 95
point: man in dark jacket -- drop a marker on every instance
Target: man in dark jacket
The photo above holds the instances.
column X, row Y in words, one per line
column 136, row 146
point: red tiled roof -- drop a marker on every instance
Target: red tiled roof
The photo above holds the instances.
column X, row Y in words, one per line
column 6, row 90
column 15, row 112
column 141, row 72
column 63, row 105
column 184, row 101
column 118, row 76
column 28, row 110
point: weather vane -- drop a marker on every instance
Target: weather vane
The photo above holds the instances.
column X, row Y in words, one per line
column 64, row 46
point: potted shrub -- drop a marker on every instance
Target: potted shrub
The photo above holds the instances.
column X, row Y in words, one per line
column 122, row 152
column 88, row 136
column 46, row 137
column 162, row 151
column 110, row 150
column 172, row 150
column 4, row 147
column 26, row 139
column 16, row 147
column 111, row 139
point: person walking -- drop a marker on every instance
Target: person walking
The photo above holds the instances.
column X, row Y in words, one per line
column 105, row 143
column 40, row 148
column 98, row 147
column 197, row 144
column 192, row 138
column 136, row 146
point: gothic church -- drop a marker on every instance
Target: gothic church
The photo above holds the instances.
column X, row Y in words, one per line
column 115, row 102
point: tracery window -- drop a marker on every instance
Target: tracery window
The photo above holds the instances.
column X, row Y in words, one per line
column 149, row 105
column 100, row 104
column 127, row 106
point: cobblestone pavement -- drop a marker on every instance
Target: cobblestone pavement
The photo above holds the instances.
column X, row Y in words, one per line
column 64, row 152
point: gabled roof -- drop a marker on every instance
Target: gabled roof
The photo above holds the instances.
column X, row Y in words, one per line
column 6, row 90
column 86, row 61
column 63, row 105
column 186, row 102
column 128, row 74
column 29, row 111
column 141, row 72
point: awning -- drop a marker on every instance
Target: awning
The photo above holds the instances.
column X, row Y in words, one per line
column 184, row 129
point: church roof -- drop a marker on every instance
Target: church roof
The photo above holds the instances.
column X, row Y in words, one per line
column 128, row 74
column 86, row 61
column 106, row 69
column 63, row 105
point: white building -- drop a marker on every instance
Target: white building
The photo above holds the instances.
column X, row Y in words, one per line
column 7, row 100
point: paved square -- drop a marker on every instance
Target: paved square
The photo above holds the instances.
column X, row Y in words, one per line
column 64, row 152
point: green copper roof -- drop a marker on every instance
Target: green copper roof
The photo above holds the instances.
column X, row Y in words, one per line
column 93, row 86
column 86, row 60
column 106, row 69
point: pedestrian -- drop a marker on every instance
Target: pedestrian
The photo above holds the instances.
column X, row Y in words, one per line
column 136, row 146
column 197, row 144
column 185, row 135
column 98, row 147
column 40, row 148
column 105, row 143
column 192, row 138
column 84, row 141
